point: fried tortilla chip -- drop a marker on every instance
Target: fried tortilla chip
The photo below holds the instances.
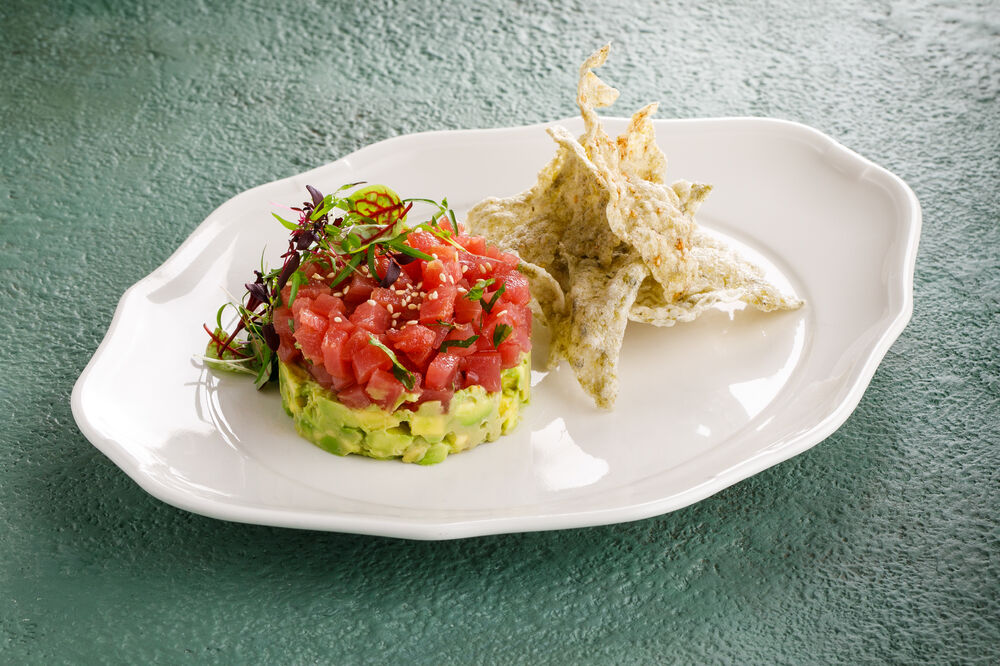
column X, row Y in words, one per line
column 603, row 240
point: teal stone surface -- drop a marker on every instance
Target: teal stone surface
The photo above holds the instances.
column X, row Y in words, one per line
column 123, row 124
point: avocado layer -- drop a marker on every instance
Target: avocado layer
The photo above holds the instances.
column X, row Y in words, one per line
column 425, row 435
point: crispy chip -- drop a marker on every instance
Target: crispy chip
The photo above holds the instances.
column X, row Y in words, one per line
column 603, row 240
column 723, row 277
column 589, row 335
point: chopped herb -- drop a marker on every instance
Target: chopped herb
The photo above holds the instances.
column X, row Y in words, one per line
column 493, row 301
column 398, row 370
column 501, row 333
column 476, row 291
column 464, row 344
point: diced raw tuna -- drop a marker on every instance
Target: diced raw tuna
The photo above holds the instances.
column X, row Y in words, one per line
column 328, row 330
column 442, row 371
column 354, row 397
column 482, row 368
column 371, row 316
column 384, row 389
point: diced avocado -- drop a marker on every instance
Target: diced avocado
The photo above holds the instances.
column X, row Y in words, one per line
column 457, row 441
column 429, row 421
column 341, row 441
column 389, row 443
column 370, row 418
column 518, row 379
column 289, row 387
column 472, row 407
column 425, row 435
column 435, row 454
column 417, row 450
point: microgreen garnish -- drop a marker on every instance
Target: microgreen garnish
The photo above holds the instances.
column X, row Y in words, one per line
column 398, row 370
column 403, row 258
column 339, row 233
column 270, row 336
column 317, row 198
column 351, row 266
column 464, row 344
column 476, row 291
column 449, row 325
column 412, row 252
column 370, row 257
column 392, row 271
column 298, row 279
column 501, row 333
column 285, row 223
column 488, row 306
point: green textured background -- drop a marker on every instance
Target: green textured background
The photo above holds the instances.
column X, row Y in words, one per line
column 122, row 125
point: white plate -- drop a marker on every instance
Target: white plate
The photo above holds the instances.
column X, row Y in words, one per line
column 702, row 405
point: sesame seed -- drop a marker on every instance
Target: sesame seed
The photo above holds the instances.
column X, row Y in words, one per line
column 465, row 269
column 396, row 315
column 501, row 313
column 463, row 290
column 337, row 319
column 420, row 285
column 434, row 255
column 411, row 306
column 482, row 269
column 371, row 301
column 431, row 296
column 389, row 308
column 489, row 266
column 347, row 289
column 331, row 275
